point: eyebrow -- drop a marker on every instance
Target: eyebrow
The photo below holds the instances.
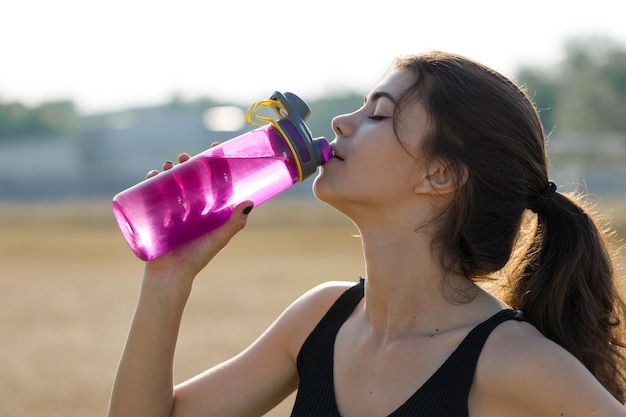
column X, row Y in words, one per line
column 379, row 94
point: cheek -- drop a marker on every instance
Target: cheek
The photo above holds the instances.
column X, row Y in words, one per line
column 380, row 173
column 338, row 185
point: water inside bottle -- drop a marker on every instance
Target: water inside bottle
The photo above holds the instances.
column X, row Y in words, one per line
column 192, row 199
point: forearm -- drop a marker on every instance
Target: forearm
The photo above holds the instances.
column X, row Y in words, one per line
column 144, row 381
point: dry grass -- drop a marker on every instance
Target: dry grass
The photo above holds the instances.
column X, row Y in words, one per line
column 69, row 286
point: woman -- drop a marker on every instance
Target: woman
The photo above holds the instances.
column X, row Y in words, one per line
column 444, row 172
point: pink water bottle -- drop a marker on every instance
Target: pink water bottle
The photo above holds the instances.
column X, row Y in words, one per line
column 197, row 196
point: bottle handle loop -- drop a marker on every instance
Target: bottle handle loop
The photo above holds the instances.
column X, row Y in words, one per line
column 255, row 119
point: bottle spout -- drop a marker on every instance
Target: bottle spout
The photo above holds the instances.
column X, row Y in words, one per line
column 324, row 152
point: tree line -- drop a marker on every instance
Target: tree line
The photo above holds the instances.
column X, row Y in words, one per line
column 586, row 91
column 49, row 118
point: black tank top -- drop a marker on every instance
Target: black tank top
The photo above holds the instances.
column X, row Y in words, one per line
column 444, row 394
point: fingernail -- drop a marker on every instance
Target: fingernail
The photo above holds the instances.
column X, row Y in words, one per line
column 247, row 210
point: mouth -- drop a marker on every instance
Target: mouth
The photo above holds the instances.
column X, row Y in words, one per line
column 335, row 154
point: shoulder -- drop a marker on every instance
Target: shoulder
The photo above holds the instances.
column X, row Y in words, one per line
column 524, row 373
column 301, row 317
column 320, row 298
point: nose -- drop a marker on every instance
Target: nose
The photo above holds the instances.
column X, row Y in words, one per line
column 342, row 126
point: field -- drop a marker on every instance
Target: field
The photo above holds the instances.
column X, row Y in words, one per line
column 69, row 285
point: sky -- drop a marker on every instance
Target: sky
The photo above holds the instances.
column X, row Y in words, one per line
column 117, row 54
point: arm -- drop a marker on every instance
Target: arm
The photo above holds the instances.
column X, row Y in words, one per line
column 249, row 384
column 144, row 381
column 143, row 384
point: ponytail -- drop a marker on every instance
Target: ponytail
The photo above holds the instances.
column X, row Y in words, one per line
column 560, row 274
column 566, row 287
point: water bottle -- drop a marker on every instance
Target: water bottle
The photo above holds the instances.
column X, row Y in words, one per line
column 195, row 197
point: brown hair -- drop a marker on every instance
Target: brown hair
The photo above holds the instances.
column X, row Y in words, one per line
column 560, row 274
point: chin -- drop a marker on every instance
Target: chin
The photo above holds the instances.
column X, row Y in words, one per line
column 318, row 188
column 327, row 194
column 322, row 190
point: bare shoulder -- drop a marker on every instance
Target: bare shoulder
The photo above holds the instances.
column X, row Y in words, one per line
column 521, row 372
column 313, row 304
column 324, row 295
column 301, row 317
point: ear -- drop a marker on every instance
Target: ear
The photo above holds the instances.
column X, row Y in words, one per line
column 440, row 179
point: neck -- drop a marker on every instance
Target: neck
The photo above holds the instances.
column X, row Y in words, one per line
column 407, row 290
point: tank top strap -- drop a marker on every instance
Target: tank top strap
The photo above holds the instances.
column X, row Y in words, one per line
column 345, row 304
column 476, row 338
column 462, row 363
column 316, row 395
column 446, row 393
column 334, row 318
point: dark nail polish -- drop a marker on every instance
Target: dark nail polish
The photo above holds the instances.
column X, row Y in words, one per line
column 247, row 210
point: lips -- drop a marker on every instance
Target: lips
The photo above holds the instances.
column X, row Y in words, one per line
column 335, row 153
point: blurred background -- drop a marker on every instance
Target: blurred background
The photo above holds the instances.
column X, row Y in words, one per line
column 95, row 94
column 92, row 95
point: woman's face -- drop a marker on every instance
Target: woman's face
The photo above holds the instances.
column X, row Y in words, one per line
column 372, row 165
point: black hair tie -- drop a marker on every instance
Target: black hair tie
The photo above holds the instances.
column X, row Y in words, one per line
column 541, row 200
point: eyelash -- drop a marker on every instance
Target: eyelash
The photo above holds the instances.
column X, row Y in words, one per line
column 377, row 117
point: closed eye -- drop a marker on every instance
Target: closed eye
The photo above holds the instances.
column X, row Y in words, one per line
column 378, row 117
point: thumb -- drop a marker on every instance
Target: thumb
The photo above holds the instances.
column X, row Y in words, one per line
column 239, row 217
column 235, row 223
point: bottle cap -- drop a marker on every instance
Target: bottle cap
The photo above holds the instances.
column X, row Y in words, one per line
column 310, row 152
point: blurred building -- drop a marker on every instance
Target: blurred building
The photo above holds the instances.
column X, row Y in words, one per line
column 109, row 153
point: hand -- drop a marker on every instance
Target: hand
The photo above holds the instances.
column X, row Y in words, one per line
column 188, row 260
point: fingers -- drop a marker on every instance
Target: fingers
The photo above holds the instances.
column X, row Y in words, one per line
column 167, row 165
column 183, row 157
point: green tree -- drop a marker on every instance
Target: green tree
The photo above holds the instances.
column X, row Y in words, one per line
column 543, row 89
column 50, row 118
column 587, row 91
